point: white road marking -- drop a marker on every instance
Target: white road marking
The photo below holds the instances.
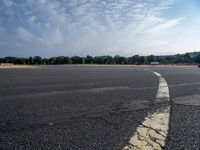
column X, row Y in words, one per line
column 163, row 90
column 151, row 134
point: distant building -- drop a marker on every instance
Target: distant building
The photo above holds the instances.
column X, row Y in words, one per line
column 193, row 54
column 154, row 63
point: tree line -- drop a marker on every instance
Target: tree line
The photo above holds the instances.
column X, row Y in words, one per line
column 136, row 59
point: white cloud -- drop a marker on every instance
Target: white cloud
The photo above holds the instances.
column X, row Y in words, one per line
column 8, row 3
column 32, row 18
column 25, row 34
column 8, row 6
column 106, row 27
column 166, row 25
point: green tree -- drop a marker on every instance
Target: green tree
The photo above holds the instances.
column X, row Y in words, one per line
column 89, row 59
column 37, row 60
column 197, row 59
column 77, row 60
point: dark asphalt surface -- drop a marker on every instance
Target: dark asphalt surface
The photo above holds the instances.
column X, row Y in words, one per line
column 184, row 130
column 90, row 107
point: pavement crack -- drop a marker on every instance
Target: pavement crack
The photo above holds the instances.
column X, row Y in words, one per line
column 131, row 146
column 157, row 131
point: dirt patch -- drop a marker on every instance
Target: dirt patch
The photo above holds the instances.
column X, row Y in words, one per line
column 17, row 66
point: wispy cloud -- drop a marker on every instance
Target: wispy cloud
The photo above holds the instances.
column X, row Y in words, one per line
column 78, row 26
column 8, row 4
column 25, row 34
column 165, row 25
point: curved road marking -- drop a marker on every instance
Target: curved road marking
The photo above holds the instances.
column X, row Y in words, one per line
column 163, row 90
column 152, row 132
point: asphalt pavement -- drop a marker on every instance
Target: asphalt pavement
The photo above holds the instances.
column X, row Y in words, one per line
column 94, row 107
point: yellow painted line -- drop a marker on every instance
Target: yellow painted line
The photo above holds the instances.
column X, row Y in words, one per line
column 151, row 134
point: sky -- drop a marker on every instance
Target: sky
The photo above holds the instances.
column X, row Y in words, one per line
column 98, row 27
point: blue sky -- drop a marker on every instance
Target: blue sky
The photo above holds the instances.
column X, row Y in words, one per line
column 98, row 27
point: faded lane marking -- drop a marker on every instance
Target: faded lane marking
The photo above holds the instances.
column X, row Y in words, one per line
column 63, row 92
column 151, row 134
column 17, row 94
column 193, row 100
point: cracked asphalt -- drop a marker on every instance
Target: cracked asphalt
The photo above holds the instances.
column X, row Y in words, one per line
column 94, row 107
